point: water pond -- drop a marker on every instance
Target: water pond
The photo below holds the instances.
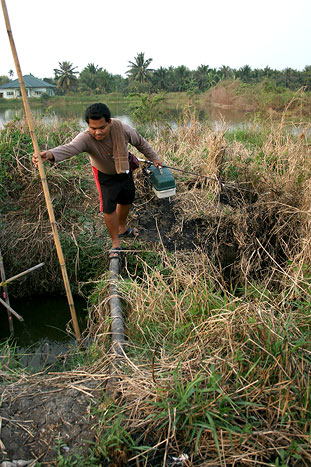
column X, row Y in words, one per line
column 215, row 115
column 42, row 337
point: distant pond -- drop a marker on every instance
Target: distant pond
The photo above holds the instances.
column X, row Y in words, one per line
column 215, row 115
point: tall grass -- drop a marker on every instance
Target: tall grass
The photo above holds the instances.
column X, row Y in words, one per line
column 220, row 377
column 217, row 370
column 217, row 364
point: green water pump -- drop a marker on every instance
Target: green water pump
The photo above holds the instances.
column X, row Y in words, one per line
column 161, row 181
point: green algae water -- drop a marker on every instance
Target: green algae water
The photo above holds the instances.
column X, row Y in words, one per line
column 42, row 337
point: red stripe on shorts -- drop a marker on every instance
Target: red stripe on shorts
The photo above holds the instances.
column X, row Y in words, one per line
column 95, row 175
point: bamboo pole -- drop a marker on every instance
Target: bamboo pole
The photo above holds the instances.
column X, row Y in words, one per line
column 6, row 281
column 42, row 175
column 5, row 294
column 10, row 309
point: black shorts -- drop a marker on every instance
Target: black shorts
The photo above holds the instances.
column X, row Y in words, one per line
column 114, row 189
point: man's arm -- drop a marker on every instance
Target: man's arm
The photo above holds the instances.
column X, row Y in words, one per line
column 142, row 145
column 66, row 151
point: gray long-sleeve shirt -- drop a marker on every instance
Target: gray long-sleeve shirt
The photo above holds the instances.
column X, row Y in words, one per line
column 100, row 152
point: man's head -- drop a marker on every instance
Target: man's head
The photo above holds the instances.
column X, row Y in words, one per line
column 98, row 118
column 97, row 111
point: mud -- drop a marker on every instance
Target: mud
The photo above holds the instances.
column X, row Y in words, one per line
column 41, row 424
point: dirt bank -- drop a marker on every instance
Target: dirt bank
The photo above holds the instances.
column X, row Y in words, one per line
column 46, row 418
column 226, row 96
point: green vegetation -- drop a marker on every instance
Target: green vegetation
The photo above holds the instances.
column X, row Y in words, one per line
column 217, row 312
column 65, row 77
column 141, row 78
column 139, row 69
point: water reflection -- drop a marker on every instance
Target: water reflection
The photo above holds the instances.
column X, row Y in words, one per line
column 215, row 115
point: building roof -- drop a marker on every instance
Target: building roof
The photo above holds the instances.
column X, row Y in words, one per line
column 30, row 82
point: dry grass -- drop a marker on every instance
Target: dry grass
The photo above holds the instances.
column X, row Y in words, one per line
column 217, row 366
column 221, row 377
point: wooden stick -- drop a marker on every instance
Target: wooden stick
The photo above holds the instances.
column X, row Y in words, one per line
column 6, row 281
column 42, row 175
column 6, row 294
column 11, row 310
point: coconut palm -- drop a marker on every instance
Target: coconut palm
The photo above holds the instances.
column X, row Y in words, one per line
column 182, row 76
column 65, row 76
column 139, row 69
column 160, row 78
column 245, row 73
column 200, row 76
column 90, row 76
column 226, row 72
column 288, row 77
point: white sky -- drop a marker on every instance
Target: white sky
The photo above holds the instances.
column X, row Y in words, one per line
column 258, row 33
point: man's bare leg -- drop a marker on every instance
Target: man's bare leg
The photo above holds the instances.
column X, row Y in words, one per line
column 112, row 224
column 122, row 213
column 116, row 223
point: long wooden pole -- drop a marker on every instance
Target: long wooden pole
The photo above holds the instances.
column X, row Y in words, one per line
column 10, row 309
column 21, row 274
column 6, row 294
column 42, row 174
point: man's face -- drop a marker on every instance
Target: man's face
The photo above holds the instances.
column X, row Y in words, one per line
column 99, row 129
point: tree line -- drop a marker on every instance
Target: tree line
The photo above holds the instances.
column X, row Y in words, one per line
column 142, row 78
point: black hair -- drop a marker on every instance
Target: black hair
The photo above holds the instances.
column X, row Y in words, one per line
column 97, row 111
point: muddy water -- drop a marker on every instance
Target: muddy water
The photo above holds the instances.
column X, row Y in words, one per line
column 216, row 115
column 42, row 336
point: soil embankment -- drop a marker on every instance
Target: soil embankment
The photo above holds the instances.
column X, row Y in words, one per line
column 227, row 97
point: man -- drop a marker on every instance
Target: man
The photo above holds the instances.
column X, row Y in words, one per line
column 106, row 141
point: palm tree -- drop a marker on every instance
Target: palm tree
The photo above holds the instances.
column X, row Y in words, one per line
column 139, row 70
column 288, row 75
column 245, row 73
column 257, row 75
column 200, row 75
column 267, row 72
column 226, row 72
column 65, row 76
column 89, row 76
column 11, row 73
column 160, row 78
column 182, row 76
